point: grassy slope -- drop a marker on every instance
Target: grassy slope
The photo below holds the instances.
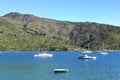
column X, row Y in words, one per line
column 95, row 35
column 14, row 37
column 28, row 32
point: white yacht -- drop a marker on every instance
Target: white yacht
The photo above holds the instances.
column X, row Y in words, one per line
column 43, row 55
column 104, row 53
column 86, row 57
column 86, row 52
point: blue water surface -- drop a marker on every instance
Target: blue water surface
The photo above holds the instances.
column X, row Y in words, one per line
column 22, row 65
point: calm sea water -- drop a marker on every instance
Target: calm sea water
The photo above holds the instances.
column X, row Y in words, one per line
column 20, row 65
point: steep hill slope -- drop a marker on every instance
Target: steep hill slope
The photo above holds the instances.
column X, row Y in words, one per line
column 13, row 36
column 94, row 35
column 42, row 25
column 28, row 32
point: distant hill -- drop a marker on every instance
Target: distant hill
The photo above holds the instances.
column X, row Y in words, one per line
column 94, row 35
column 28, row 32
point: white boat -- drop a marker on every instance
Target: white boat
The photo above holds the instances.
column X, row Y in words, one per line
column 86, row 57
column 60, row 70
column 43, row 55
column 104, row 53
column 86, row 51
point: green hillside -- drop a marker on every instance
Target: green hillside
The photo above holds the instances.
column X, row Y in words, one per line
column 94, row 35
column 28, row 32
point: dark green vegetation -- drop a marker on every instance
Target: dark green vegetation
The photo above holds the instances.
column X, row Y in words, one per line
column 28, row 32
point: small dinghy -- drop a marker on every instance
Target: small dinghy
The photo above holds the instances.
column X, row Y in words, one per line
column 61, row 70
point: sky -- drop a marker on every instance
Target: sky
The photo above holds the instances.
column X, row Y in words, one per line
column 100, row 11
